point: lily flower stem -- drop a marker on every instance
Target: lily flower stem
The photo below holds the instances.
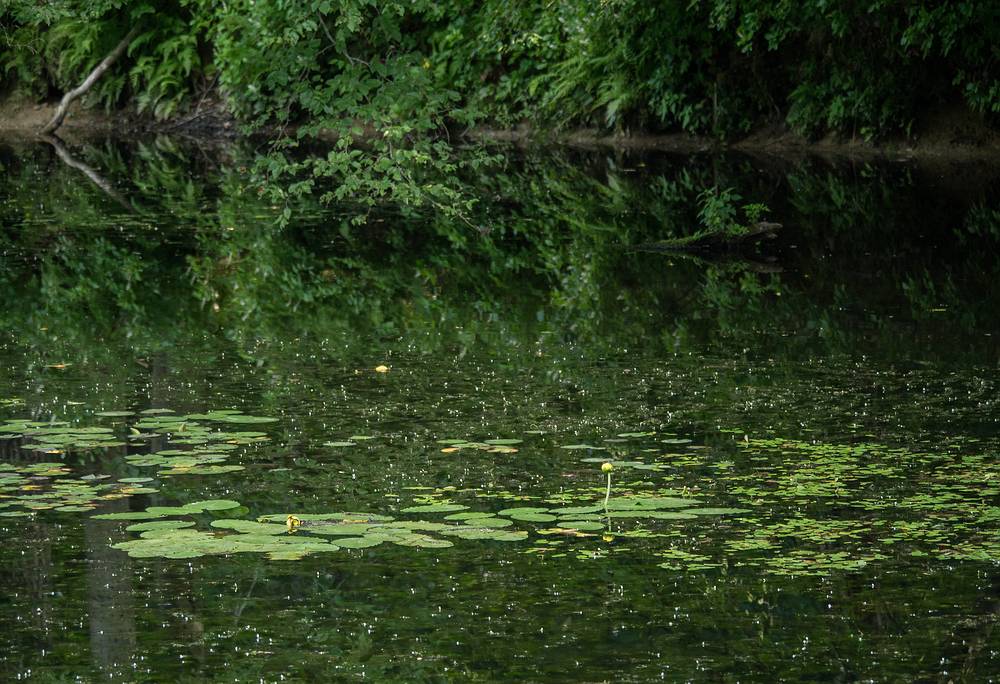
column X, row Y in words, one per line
column 607, row 495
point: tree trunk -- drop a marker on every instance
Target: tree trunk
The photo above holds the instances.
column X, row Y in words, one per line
column 88, row 82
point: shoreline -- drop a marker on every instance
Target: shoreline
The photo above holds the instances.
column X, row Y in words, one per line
column 944, row 139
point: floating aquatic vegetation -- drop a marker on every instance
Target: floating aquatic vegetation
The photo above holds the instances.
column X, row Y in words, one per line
column 782, row 506
column 493, row 446
column 58, row 438
column 311, row 533
column 819, row 508
column 28, row 488
column 435, row 508
column 31, row 487
column 154, row 512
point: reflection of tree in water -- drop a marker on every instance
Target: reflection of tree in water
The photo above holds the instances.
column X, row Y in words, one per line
column 110, row 599
column 555, row 268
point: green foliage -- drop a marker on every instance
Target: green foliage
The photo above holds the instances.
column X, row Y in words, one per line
column 54, row 46
column 406, row 70
column 390, row 82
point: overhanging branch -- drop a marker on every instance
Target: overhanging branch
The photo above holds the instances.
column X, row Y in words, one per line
column 88, row 82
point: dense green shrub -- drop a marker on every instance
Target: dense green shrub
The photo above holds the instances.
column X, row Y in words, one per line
column 710, row 66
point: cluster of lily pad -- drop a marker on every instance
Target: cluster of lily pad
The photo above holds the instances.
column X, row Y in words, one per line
column 806, row 508
column 58, row 437
column 825, row 507
column 493, row 446
column 277, row 537
column 193, row 448
column 29, row 488
column 206, row 449
column 288, row 536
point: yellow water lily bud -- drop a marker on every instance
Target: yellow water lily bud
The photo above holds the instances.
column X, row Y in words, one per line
column 607, row 468
column 292, row 522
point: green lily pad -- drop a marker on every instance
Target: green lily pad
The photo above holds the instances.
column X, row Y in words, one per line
column 160, row 525
column 659, row 515
column 349, row 516
column 337, row 529
column 576, row 510
column 359, row 542
column 648, row 503
column 581, row 525
column 533, row 517
column 522, row 510
column 214, row 504
column 131, row 515
column 250, row 527
column 484, row 533
column 489, row 522
column 435, row 508
column 203, row 470
column 468, row 515
column 421, row 541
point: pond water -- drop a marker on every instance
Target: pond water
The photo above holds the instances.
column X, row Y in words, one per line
column 804, row 436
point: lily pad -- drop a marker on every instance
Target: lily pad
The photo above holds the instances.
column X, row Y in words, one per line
column 160, row 525
column 533, row 517
column 214, row 504
column 359, row 542
column 521, row 510
column 131, row 515
column 435, row 508
column 582, row 525
column 648, row 503
column 250, row 527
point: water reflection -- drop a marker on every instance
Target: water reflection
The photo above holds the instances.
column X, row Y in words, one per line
column 874, row 313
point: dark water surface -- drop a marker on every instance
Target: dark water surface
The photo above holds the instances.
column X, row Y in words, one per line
column 831, row 399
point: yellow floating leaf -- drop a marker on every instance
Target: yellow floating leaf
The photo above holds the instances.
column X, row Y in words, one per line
column 381, row 369
column 449, row 450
